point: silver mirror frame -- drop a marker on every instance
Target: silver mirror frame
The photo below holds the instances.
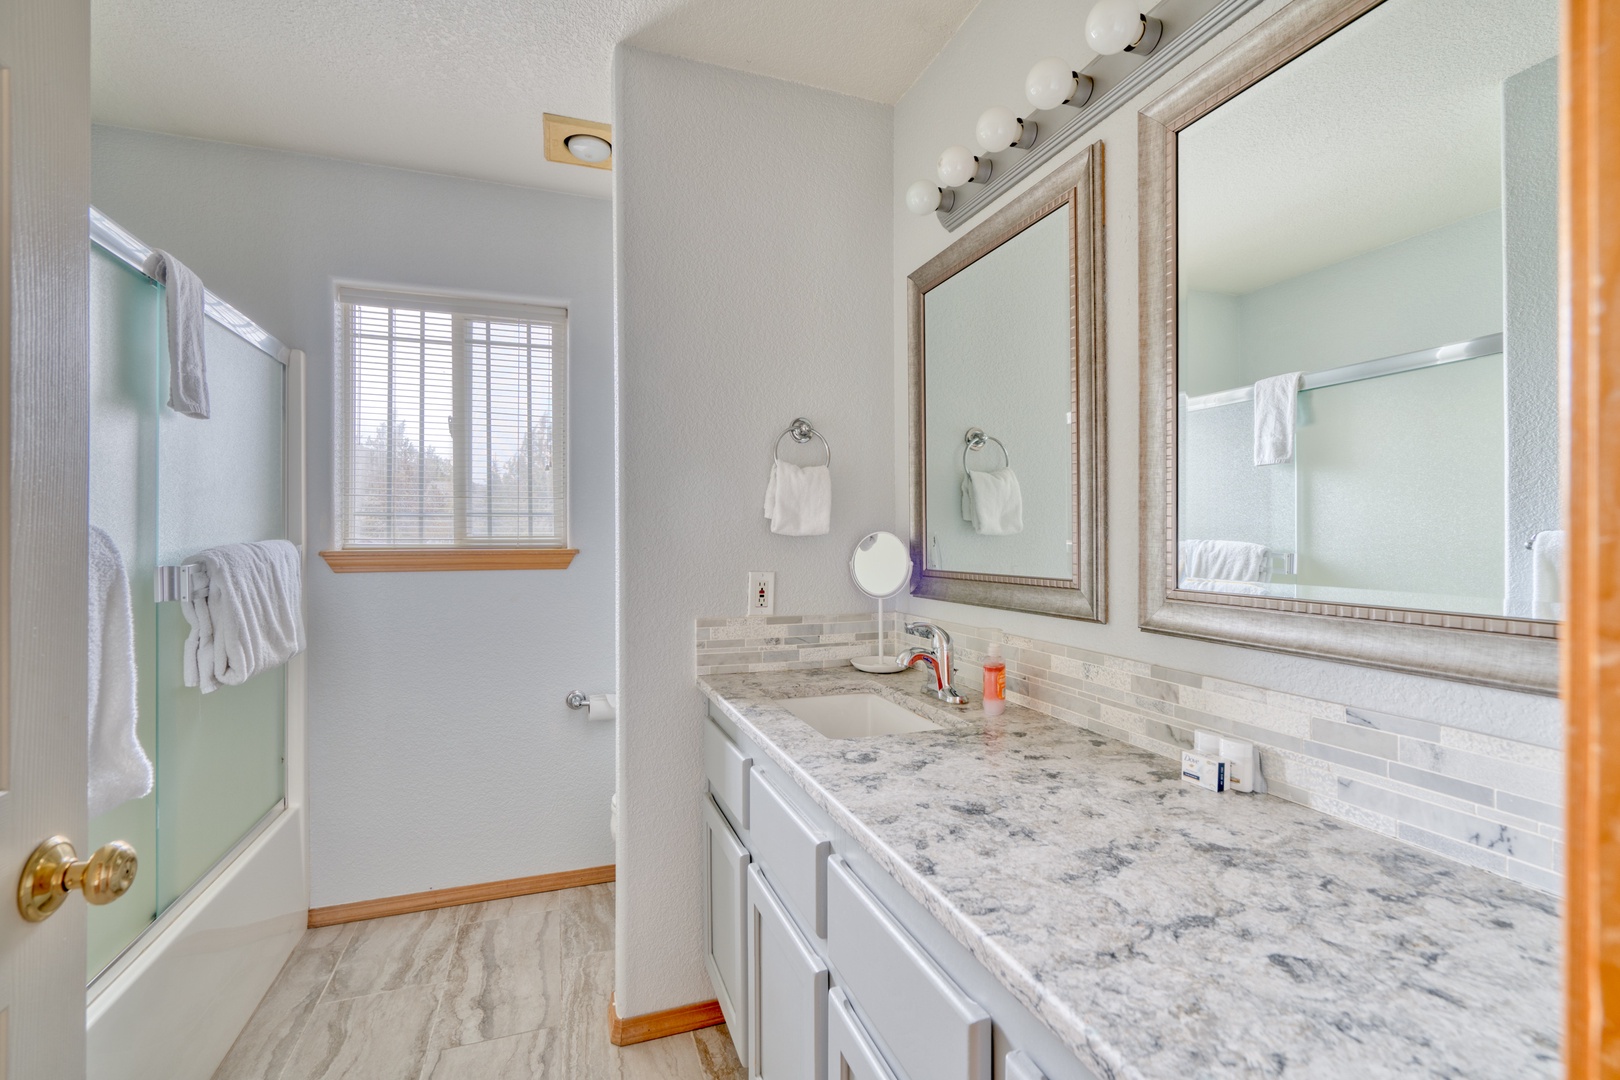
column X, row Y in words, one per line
column 1076, row 184
column 1515, row 654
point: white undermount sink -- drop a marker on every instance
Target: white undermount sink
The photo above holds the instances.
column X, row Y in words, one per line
column 856, row 716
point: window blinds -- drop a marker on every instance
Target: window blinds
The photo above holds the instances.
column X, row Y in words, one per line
column 455, row 422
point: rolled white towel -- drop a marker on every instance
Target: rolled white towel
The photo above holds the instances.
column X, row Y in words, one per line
column 798, row 499
column 184, row 296
column 119, row 768
column 250, row 619
column 1222, row 561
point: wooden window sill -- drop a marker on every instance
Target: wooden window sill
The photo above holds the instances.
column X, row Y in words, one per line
column 405, row 560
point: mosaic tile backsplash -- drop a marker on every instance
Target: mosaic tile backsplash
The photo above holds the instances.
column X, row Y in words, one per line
column 1485, row 801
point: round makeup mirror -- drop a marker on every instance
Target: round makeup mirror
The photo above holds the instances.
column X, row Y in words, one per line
column 881, row 568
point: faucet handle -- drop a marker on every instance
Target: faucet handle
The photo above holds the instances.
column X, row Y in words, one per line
column 929, row 630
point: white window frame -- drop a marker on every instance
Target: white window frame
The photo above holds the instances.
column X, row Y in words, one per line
column 462, row 308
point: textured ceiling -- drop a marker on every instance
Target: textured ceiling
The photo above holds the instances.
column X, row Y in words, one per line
column 1389, row 129
column 458, row 86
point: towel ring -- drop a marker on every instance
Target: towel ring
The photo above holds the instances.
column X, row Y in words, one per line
column 975, row 439
column 802, row 432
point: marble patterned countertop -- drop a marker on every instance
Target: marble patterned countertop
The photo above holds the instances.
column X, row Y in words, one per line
column 1165, row 931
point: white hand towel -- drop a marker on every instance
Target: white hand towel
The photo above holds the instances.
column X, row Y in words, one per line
column 1547, row 575
column 1223, row 561
column 251, row 618
column 1274, row 401
column 998, row 502
column 188, row 367
column 119, row 768
column 798, row 500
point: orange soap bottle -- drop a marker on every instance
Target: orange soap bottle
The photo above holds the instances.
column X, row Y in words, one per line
column 995, row 682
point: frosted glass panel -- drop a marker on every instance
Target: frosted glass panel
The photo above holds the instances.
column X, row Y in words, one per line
column 125, row 310
column 220, row 481
column 165, row 487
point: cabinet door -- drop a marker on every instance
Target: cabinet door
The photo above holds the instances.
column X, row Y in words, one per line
column 787, row 993
column 850, row 1053
column 725, row 929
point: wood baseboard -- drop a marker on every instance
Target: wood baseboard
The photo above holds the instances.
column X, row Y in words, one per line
column 458, row 895
column 628, row 1030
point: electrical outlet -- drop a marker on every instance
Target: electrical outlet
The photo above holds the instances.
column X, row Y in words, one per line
column 762, row 592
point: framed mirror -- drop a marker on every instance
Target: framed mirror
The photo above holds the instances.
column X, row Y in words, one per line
column 1350, row 421
column 1007, row 384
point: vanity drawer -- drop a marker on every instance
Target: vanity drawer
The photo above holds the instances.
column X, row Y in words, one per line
column 792, row 852
column 726, row 768
column 931, row 1028
column 850, row 1053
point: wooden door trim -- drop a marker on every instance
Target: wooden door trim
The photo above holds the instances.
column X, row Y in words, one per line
column 1589, row 222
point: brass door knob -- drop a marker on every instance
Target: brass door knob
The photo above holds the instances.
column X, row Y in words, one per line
column 54, row 870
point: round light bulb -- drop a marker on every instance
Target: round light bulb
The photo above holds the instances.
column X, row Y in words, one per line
column 998, row 129
column 923, row 197
column 1114, row 26
column 589, row 148
column 1053, row 82
column 958, row 165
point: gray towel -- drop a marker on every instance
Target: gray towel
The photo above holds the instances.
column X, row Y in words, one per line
column 188, row 367
column 119, row 768
column 249, row 620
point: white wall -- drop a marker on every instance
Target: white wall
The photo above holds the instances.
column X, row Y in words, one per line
column 752, row 236
column 1530, row 246
column 983, row 65
column 435, row 699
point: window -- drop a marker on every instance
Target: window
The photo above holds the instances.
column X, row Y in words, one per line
column 453, row 419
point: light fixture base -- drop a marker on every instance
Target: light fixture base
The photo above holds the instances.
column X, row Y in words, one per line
column 1084, row 87
column 558, row 129
column 1027, row 139
column 1152, row 34
column 982, row 174
column 947, row 200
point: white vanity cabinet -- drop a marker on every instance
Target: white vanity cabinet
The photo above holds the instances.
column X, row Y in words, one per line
column 823, row 967
column 725, row 931
column 787, row 992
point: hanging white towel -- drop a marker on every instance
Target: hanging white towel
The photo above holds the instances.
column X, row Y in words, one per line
column 1547, row 574
column 1234, row 566
column 188, row 367
column 798, row 500
column 249, row 620
column 993, row 502
column 119, row 768
column 1274, row 408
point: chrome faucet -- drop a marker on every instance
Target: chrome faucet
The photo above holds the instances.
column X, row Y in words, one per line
column 938, row 658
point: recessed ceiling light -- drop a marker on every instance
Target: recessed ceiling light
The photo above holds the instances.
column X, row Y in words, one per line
column 589, row 148
column 572, row 141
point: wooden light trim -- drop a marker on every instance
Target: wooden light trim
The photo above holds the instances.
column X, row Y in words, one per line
column 398, row 560
column 457, row 895
column 629, row 1030
column 1589, row 221
column 557, row 130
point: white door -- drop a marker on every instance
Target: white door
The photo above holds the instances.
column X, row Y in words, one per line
column 787, row 992
column 44, row 259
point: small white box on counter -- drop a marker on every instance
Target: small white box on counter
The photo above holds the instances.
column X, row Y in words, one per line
column 1208, row 773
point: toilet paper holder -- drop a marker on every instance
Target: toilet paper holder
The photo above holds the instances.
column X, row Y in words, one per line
column 600, row 706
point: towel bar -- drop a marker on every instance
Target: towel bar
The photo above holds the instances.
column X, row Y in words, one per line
column 184, row 582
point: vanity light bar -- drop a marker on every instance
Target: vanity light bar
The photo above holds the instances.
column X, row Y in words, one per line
column 970, row 198
column 1489, row 345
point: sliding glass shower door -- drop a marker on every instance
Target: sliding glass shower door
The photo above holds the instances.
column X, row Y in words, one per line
column 166, row 487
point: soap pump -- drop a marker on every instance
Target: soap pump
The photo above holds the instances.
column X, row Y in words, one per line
column 995, row 682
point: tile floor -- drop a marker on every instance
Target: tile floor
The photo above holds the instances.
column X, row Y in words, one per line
column 509, row 990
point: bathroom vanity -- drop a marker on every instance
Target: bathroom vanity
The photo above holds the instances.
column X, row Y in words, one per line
column 1018, row 897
